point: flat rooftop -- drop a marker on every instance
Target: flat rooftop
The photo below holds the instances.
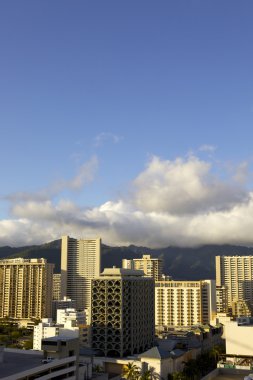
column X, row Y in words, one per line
column 229, row 377
column 14, row 362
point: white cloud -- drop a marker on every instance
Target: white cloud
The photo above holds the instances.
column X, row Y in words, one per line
column 182, row 187
column 178, row 202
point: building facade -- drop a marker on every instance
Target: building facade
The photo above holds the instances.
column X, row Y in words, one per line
column 122, row 312
column 236, row 273
column 56, row 286
column 184, row 303
column 152, row 267
column 67, row 327
column 222, row 299
column 26, row 288
column 80, row 263
column 65, row 303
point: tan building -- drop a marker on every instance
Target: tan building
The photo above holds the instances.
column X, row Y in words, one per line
column 222, row 299
column 152, row 267
column 56, row 286
column 236, row 273
column 242, row 308
column 26, row 288
column 80, row 263
column 184, row 303
column 122, row 312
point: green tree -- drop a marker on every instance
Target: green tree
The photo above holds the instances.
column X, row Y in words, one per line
column 154, row 375
column 215, row 352
column 178, row 376
column 145, row 375
column 28, row 344
column 130, row 371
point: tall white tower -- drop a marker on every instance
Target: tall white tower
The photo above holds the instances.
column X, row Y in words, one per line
column 236, row 273
column 80, row 263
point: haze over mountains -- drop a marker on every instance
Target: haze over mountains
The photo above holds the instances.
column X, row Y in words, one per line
column 180, row 263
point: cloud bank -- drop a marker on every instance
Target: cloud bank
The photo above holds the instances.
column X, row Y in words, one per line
column 183, row 202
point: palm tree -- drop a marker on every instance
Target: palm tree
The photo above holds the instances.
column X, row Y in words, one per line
column 154, row 375
column 145, row 375
column 130, row 371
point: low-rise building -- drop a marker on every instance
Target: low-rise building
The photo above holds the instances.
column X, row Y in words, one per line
column 68, row 328
column 65, row 303
column 59, row 360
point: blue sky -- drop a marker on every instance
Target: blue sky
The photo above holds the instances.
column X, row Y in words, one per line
column 101, row 101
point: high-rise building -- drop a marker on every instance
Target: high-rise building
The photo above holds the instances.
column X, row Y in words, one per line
column 184, row 303
column 236, row 273
column 26, row 288
column 80, row 263
column 122, row 312
column 152, row 267
column 222, row 299
column 56, row 286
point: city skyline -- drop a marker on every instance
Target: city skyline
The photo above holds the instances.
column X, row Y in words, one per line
column 127, row 121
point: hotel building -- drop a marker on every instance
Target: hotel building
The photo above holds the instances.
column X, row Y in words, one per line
column 152, row 267
column 184, row 303
column 26, row 288
column 236, row 273
column 80, row 263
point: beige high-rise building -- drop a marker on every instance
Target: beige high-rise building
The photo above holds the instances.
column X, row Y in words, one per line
column 56, row 286
column 152, row 267
column 80, row 263
column 122, row 312
column 184, row 303
column 26, row 288
column 236, row 273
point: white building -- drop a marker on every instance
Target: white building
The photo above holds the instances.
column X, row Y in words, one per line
column 184, row 303
column 239, row 337
column 65, row 303
column 65, row 315
column 45, row 329
column 236, row 273
column 80, row 263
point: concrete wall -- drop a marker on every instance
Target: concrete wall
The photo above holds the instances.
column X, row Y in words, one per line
column 239, row 339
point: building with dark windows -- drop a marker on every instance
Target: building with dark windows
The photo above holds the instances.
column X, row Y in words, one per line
column 122, row 312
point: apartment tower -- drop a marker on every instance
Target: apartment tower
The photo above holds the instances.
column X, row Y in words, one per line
column 122, row 312
column 184, row 303
column 26, row 288
column 236, row 273
column 56, row 286
column 80, row 263
column 152, row 267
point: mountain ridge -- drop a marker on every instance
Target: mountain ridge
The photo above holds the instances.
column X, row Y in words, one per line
column 181, row 263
